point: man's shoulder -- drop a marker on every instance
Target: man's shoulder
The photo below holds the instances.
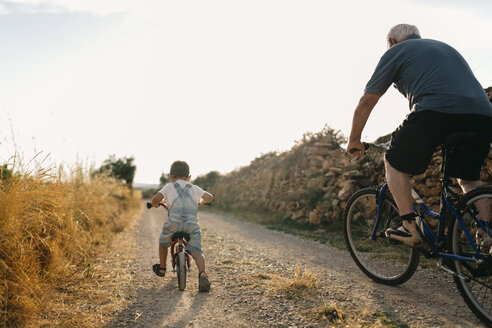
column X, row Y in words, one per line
column 420, row 43
column 413, row 47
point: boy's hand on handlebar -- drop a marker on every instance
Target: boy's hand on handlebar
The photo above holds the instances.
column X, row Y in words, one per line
column 149, row 205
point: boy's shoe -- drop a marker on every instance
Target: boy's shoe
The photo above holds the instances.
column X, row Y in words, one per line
column 158, row 270
column 203, row 283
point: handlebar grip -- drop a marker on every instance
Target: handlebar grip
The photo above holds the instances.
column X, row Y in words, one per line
column 366, row 147
column 149, row 205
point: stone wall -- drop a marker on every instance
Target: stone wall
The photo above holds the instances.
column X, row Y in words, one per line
column 303, row 183
column 313, row 181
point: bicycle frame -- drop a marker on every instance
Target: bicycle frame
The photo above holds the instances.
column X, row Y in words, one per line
column 181, row 247
column 434, row 243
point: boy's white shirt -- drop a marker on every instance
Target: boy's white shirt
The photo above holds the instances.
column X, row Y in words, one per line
column 170, row 193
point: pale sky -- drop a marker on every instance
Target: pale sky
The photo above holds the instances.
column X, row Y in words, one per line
column 215, row 83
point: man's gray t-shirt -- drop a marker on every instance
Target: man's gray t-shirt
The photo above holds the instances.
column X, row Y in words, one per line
column 432, row 76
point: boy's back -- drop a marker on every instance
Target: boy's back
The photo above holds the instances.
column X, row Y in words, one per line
column 183, row 199
column 170, row 192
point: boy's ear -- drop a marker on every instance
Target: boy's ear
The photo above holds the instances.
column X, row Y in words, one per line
column 188, row 178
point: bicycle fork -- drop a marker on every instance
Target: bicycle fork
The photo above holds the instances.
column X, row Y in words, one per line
column 180, row 249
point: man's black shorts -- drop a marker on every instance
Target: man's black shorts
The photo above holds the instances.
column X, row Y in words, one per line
column 416, row 139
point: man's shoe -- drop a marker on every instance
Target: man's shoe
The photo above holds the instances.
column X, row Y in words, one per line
column 404, row 236
column 483, row 240
column 484, row 243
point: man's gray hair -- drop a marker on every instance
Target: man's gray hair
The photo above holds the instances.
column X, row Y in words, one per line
column 401, row 32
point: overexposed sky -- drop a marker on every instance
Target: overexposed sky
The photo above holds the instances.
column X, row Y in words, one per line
column 215, row 83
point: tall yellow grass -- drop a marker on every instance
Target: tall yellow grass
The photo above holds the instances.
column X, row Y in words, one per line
column 49, row 227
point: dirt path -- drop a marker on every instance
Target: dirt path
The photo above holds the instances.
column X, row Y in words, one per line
column 243, row 262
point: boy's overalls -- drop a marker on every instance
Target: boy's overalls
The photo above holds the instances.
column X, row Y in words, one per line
column 183, row 217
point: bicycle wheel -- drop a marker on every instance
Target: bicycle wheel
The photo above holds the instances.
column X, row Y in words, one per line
column 377, row 258
column 181, row 270
column 476, row 289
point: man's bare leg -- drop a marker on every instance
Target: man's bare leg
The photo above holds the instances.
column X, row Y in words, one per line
column 482, row 205
column 401, row 189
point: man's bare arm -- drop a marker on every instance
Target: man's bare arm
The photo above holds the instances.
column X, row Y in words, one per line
column 361, row 114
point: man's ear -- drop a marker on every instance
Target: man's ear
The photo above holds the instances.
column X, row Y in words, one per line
column 391, row 42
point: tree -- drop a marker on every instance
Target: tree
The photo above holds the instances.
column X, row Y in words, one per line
column 164, row 179
column 207, row 181
column 5, row 173
column 121, row 168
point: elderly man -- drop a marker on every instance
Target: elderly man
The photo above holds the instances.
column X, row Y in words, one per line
column 444, row 97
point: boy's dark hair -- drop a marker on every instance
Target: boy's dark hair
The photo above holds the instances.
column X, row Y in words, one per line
column 180, row 169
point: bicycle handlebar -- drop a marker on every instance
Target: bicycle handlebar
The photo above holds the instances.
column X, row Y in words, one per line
column 149, row 205
column 383, row 146
column 368, row 145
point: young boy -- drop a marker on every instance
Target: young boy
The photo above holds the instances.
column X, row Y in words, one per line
column 183, row 199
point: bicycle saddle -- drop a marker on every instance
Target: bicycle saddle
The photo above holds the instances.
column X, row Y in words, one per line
column 461, row 139
column 177, row 235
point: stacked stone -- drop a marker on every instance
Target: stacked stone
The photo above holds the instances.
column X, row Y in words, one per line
column 311, row 182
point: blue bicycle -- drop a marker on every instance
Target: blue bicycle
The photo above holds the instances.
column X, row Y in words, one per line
column 455, row 243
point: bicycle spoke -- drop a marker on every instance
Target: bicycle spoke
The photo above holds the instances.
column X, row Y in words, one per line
column 390, row 264
column 477, row 291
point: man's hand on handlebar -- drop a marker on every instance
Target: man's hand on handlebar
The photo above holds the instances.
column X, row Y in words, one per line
column 356, row 148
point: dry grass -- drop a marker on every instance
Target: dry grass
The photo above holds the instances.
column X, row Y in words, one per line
column 50, row 226
column 305, row 290
column 294, row 287
column 330, row 312
column 335, row 316
column 301, row 281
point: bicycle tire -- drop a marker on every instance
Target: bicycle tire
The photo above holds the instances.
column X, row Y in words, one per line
column 181, row 270
column 477, row 292
column 378, row 259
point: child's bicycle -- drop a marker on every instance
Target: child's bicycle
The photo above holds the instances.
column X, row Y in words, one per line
column 180, row 259
column 370, row 211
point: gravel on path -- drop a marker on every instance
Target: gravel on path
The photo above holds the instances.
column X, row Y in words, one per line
column 247, row 263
